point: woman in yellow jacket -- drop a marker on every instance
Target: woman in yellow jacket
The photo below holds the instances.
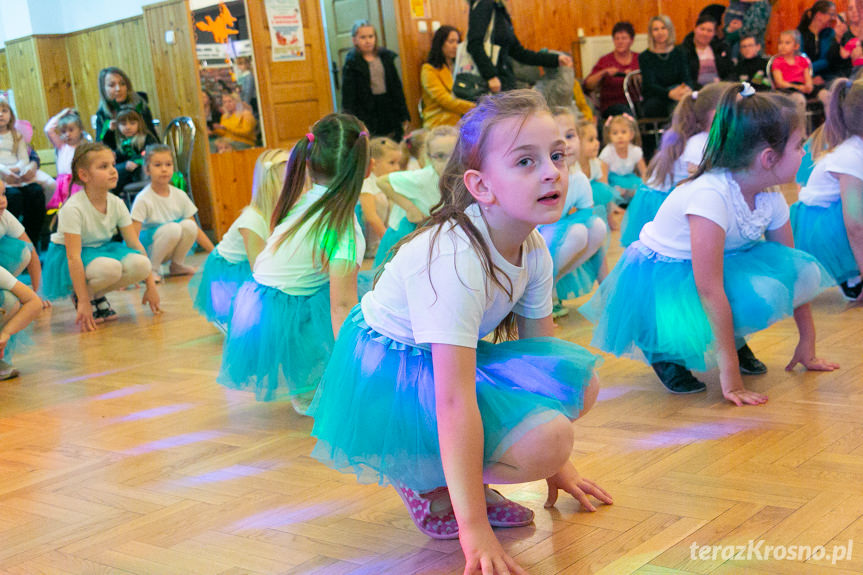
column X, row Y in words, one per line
column 237, row 123
column 440, row 107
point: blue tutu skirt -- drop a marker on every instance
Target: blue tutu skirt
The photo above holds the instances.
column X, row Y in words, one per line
column 602, row 193
column 391, row 238
column 642, row 209
column 375, row 408
column 57, row 283
column 11, row 253
column 807, row 164
column 18, row 342
column 625, row 182
column 821, row 232
column 215, row 284
column 580, row 281
column 277, row 344
column 648, row 307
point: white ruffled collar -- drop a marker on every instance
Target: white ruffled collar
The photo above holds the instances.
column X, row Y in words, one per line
column 751, row 223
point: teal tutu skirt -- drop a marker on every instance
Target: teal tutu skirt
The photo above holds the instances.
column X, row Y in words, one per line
column 375, row 408
column 648, row 307
column 580, row 281
column 602, row 193
column 214, row 286
column 821, row 232
column 391, row 238
column 18, row 342
column 57, row 283
column 11, row 253
column 807, row 164
column 642, row 209
column 626, row 182
column 277, row 344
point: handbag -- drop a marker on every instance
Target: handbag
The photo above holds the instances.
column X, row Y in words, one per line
column 468, row 83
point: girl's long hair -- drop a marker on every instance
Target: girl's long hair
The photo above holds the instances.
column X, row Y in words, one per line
column 470, row 150
column 16, row 135
column 436, row 57
column 268, row 181
column 336, row 151
column 844, row 115
column 744, row 126
column 821, row 6
column 81, row 158
column 129, row 114
column 690, row 117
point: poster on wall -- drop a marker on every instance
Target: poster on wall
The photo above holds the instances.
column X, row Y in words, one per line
column 286, row 30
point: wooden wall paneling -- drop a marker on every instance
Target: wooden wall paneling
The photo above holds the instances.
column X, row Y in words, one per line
column 4, row 71
column 178, row 90
column 26, row 80
column 122, row 44
column 56, row 82
column 293, row 95
column 232, row 176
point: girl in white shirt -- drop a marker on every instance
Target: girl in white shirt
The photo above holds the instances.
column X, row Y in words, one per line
column 412, row 193
column 16, row 249
column 164, row 216
column 828, row 218
column 575, row 241
column 304, row 283
column 230, row 264
column 412, row 397
column 677, row 159
column 65, row 131
column 82, row 260
column 699, row 280
column 623, row 156
column 374, row 206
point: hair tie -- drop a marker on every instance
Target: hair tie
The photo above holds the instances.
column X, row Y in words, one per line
column 628, row 117
column 608, row 121
column 267, row 165
column 364, row 133
column 695, row 95
column 311, row 137
column 747, row 90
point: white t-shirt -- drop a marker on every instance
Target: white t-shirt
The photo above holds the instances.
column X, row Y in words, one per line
column 451, row 301
column 153, row 210
column 295, row 267
column 419, row 186
column 715, row 196
column 78, row 216
column 7, row 280
column 693, row 153
column 232, row 247
column 618, row 165
column 65, row 153
column 595, row 168
column 370, row 186
column 10, row 155
column 822, row 189
column 10, row 226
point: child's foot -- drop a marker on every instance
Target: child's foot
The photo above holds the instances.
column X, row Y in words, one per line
column 851, row 288
column 749, row 364
column 676, row 378
column 431, row 511
column 505, row 513
column 181, row 269
column 7, row 371
column 102, row 310
column 559, row 310
column 157, row 276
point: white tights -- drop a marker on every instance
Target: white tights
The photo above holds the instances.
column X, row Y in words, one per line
column 23, row 261
column 9, row 307
column 172, row 241
column 580, row 244
column 107, row 274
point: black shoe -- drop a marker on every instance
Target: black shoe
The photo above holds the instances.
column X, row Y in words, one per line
column 749, row 364
column 102, row 310
column 676, row 378
column 851, row 293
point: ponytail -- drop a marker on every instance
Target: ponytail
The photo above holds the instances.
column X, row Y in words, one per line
column 337, row 152
column 844, row 113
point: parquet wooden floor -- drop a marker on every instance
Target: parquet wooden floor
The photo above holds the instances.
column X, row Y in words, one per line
column 120, row 454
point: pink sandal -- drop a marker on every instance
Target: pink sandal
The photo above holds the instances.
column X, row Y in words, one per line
column 437, row 525
column 508, row 513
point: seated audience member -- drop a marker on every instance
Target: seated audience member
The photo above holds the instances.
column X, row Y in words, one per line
column 237, row 123
column 609, row 72
column 818, row 41
column 708, row 57
column 440, row 106
column 664, row 69
column 751, row 67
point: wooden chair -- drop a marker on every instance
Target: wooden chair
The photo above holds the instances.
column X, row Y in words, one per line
column 653, row 127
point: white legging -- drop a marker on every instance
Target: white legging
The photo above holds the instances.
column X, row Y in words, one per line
column 23, row 261
column 580, row 244
column 172, row 241
column 106, row 274
column 9, row 308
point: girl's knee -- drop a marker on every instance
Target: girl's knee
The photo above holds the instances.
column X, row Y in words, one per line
column 188, row 227
column 10, row 306
column 557, row 440
column 170, row 231
column 103, row 271
column 136, row 267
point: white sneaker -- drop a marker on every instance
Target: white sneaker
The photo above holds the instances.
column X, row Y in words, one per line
column 7, row 370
